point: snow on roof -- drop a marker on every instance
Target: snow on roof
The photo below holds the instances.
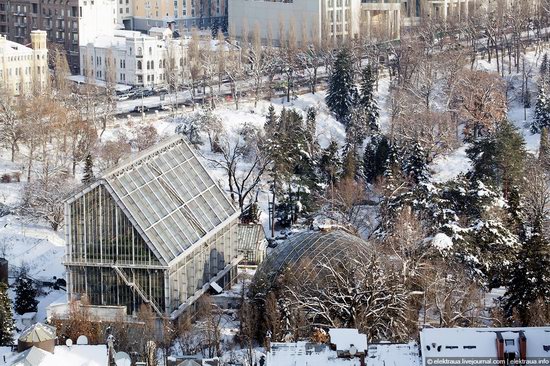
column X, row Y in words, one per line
column 37, row 333
column 32, row 357
column 480, row 342
column 14, row 48
column 304, row 353
column 107, row 41
column 189, row 363
column 82, row 79
column 344, row 338
column 170, row 196
column 390, row 354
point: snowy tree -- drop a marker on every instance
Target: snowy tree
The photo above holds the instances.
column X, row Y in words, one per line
column 367, row 100
column 544, row 66
column 498, row 159
column 6, row 317
column 542, row 111
column 375, row 157
column 25, row 295
column 530, row 277
column 342, row 93
column 88, row 169
column 415, row 165
column 44, row 198
column 330, row 164
column 363, row 294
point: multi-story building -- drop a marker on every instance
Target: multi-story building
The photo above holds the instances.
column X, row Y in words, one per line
column 23, row 69
column 184, row 14
column 315, row 20
column 134, row 58
column 67, row 23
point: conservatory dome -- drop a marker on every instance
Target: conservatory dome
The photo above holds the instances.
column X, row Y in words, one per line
column 310, row 249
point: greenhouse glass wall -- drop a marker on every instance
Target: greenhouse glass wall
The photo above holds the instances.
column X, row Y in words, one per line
column 156, row 229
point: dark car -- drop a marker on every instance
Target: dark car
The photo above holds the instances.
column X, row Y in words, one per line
column 141, row 109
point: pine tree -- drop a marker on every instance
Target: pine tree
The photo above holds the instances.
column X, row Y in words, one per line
column 350, row 164
column 342, row 93
column 544, row 148
column 415, row 165
column 498, row 159
column 25, row 295
column 88, row 169
column 6, row 318
column 270, row 124
column 367, row 99
column 375, row 157
column 542, row 111
column 529, row 280
column 330, row 164
column 544, row 66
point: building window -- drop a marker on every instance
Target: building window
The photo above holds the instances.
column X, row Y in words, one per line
column 509, row 342
column 139, row 65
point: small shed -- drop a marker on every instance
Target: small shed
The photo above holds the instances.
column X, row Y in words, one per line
column 252, row 243
column 37, row 335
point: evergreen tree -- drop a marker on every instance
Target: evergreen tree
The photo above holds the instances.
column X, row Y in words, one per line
column 498, row 159
column 375, row 157
column 25, row 295
column 544, row 66
column 367, row 99
column 6, row 318
column 342, row 93
column 415, row 165
column 270, row 124
column 330, row 164
column 530, row 277
column 88, row 169
column 542, row 111
column 544, row 148
column 350, row 164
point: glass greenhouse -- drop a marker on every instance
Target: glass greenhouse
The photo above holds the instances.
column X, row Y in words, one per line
column 156, row 229
column 312, row 248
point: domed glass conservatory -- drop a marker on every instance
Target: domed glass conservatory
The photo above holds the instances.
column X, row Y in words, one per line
column 311, row 249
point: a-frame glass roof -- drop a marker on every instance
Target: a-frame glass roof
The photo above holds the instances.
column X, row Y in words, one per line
column 171, row 196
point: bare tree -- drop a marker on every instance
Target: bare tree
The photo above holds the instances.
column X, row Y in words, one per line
column 12, row 128
column 243, row 162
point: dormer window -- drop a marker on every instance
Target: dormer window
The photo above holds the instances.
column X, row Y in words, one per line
column 509, row 342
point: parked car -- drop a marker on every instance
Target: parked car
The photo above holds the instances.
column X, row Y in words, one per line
column 141, row 109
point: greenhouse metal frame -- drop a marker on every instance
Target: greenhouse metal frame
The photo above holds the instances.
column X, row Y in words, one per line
column 156, row 229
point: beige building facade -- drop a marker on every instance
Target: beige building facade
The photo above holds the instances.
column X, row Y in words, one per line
column 316, row 20
column 23, row 69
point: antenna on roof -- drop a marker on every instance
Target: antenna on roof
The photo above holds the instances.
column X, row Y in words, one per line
column 122, row 359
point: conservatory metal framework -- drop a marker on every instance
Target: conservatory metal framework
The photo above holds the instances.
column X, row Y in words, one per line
column 311, row 247
column 156, row 229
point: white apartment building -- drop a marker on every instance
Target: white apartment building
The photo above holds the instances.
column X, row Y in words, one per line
column 134, row 58
column 313, row 20
column 22, row 68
